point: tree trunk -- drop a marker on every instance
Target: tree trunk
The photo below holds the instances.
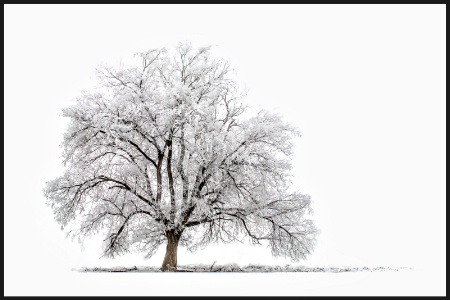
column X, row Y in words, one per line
column 170, row 260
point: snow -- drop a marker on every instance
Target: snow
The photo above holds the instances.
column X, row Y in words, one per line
column 72, row 283
column 251, row 268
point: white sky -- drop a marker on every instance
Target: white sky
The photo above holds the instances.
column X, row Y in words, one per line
column 365, row 84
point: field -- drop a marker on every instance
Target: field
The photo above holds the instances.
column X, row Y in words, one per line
column 151, row 282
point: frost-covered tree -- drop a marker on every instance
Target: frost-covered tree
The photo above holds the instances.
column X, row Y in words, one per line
column 164, row 152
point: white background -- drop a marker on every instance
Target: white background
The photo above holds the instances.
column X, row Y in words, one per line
column 365, row 84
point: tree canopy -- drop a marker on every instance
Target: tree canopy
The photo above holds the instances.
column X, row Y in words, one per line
column 165, row 151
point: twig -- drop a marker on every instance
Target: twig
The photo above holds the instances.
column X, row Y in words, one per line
column 210, row 269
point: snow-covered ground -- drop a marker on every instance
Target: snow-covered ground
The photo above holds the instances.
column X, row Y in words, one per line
column 73, row 283
column 236, row 268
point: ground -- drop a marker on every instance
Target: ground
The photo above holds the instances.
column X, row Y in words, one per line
column 405, row 282
column 254, row 268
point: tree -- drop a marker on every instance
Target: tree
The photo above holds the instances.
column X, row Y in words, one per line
column 164, row 152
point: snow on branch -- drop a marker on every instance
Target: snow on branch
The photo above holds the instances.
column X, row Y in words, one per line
column 163, row 146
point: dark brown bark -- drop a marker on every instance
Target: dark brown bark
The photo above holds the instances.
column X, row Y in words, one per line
column 170, row 259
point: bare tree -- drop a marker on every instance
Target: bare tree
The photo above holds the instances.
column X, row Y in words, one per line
column 163, row 152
